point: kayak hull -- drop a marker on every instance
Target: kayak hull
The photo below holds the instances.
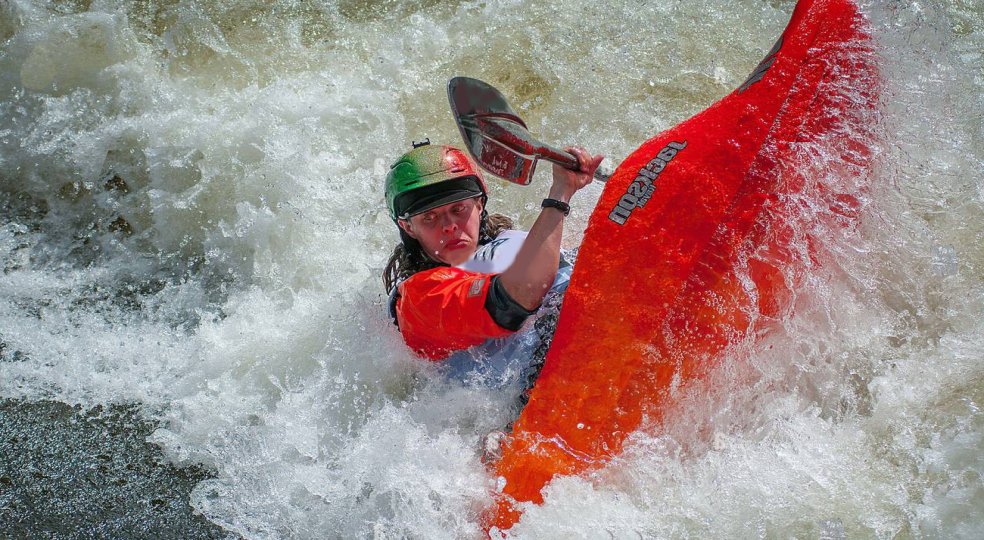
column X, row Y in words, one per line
column 685, row 255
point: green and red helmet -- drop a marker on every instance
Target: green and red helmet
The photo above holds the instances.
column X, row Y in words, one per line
column 430, row 176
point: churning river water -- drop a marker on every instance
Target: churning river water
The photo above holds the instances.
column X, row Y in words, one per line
column 192, row 232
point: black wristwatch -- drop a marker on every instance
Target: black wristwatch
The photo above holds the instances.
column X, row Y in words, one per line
column 559, row 205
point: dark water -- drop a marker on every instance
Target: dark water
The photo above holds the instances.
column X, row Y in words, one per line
column 70, row 473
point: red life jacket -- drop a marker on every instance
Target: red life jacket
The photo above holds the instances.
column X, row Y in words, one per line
column 442, row 310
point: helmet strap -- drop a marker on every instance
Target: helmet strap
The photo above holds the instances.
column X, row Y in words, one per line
column 483, row 228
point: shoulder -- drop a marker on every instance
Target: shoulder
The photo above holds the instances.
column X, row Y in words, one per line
column 511, row 234
column 443, row 309
column 439, row 274
column 443, row 282
column 495, row 256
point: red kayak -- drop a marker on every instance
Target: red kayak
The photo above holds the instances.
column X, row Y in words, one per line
column 686, row 255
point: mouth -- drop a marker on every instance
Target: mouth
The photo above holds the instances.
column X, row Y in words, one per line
column 456, row 244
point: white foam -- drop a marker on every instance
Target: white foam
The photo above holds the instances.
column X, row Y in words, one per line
column 244, row 306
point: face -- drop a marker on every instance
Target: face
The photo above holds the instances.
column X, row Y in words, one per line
column 447, row 233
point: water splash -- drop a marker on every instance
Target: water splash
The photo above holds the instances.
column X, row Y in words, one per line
column 191, row 222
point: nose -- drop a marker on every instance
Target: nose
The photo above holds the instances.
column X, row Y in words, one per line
column 448, row 224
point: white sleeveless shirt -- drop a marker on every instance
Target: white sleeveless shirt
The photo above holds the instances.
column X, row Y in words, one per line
column 502, row 362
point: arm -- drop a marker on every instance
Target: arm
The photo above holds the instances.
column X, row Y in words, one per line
column 530, row 275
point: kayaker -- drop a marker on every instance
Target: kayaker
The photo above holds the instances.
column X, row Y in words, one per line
column 462, row 279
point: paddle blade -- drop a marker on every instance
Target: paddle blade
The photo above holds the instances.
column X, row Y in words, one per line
column 493, row 133
column 488, row 143
column 474, row 97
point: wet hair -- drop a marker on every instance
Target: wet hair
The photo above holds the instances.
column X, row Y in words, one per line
column 409, row 257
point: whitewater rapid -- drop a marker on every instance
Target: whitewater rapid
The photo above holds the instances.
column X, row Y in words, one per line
column 193, row 226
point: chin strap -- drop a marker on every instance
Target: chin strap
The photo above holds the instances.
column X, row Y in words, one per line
column 483, row 228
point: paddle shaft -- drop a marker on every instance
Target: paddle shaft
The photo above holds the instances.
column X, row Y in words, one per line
column 512, row 135
column 565, row 159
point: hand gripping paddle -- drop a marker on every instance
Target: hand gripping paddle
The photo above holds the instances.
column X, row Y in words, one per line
column 496, row 136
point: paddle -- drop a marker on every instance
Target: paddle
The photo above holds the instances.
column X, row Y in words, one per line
column 496, row 136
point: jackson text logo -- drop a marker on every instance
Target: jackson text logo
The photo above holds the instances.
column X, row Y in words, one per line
column 641, row 189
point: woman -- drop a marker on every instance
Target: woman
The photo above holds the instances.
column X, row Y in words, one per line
column 461, row 278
